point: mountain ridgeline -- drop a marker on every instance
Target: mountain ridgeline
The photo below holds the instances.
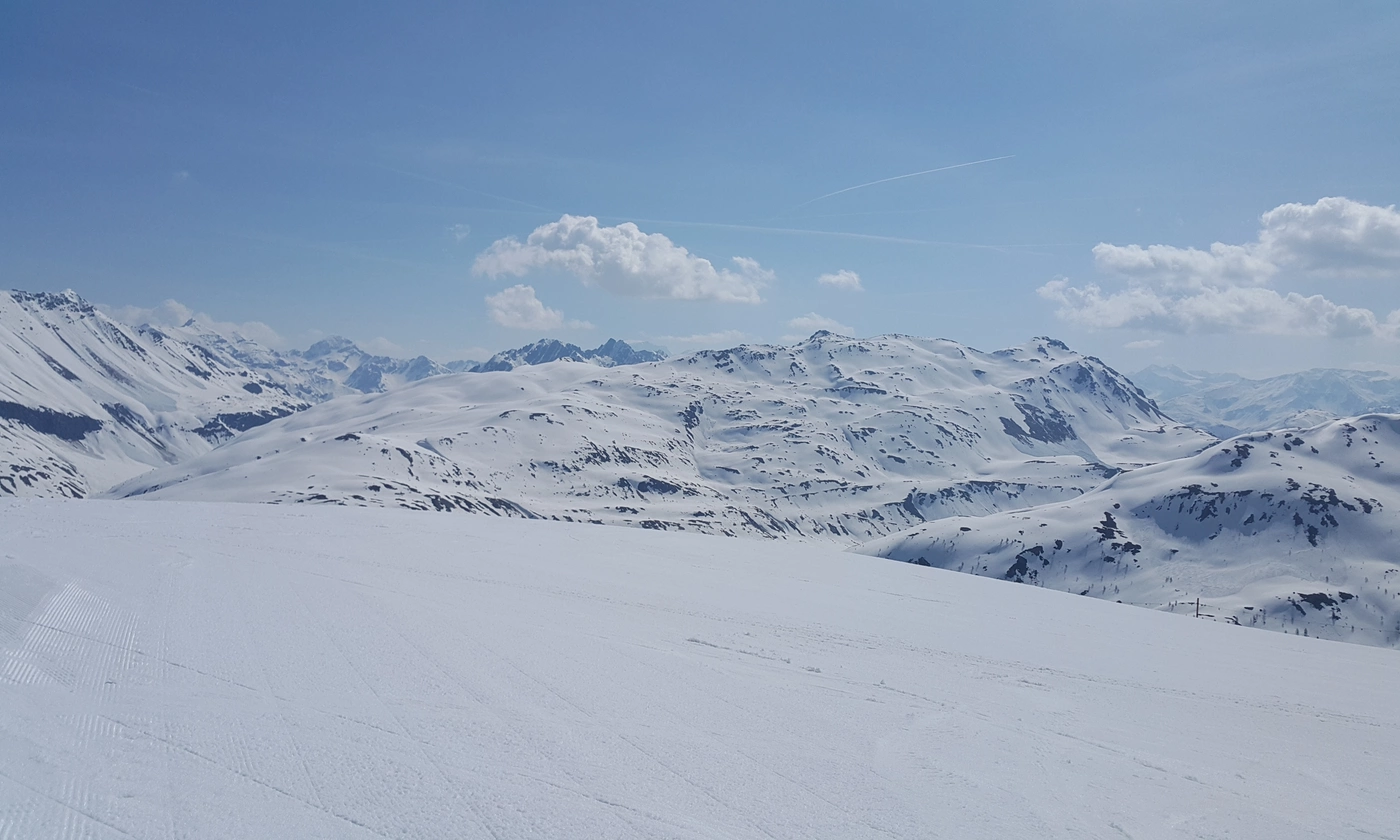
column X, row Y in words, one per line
column 833, row 438
column 86, row 401
column 1034, row 464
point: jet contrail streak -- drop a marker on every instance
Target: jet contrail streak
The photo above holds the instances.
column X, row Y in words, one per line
column 902, row 177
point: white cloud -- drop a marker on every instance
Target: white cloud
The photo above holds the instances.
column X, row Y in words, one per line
column 842, row 279
column 460, row 232
column 519, row 309
column 811, row 322
column 1227, row 288
column 173, row 313
column 1143, row 344
column 1335, row 237
column 624, row 261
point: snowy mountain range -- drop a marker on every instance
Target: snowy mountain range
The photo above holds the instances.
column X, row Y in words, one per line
column 1035, row 464
column 1292, row 530
column 1227, row 405
column 833, row 438
column 86, row 401
column 609, row 354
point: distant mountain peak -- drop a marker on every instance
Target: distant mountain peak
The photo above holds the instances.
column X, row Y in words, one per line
column 608, row 354
column 329, row 345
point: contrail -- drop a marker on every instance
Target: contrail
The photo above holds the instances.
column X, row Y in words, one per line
column 902, row 177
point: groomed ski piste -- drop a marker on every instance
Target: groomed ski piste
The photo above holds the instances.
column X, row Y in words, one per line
column 219, row 670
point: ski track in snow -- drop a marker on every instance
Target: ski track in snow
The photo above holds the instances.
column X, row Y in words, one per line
column 178, row 670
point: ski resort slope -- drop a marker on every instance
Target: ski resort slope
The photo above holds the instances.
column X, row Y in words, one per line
column 234, row 671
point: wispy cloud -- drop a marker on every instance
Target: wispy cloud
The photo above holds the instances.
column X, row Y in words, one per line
column 381, row 346
column 173, row 313
column 901, row 178
column 807, row 324
column 843, row 279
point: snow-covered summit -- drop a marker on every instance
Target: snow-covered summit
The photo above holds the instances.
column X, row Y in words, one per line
column 833, row 438
column 608, row 354
column 1290, row 530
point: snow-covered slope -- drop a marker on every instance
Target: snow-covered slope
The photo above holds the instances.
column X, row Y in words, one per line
column 1227, row 405
column 86, row 402
column 834, row 438
column 1294, row 531
column 240, row 671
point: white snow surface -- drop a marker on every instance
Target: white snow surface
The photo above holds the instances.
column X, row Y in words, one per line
column 1294, row 531
column 236, row 671
column 833, row 438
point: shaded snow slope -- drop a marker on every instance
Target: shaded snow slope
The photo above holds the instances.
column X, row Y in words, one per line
column 1294, row 531
column 86, row 402
column 1227, row 405
column 236, row 671
column 836, row 438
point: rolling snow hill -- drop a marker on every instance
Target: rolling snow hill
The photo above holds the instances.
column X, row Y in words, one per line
column 237, row 671
column 1227, row 405
column 1293, row 531
column 833, row 438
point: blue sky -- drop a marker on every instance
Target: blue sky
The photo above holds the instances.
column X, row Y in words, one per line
column 350, row 168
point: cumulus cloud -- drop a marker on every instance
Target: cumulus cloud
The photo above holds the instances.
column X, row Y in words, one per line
column 842, row 279
column 1227, row 288
column 519, row 309
column 624, row 261
column 807, row 324
column 173, row 313
column 460, row 232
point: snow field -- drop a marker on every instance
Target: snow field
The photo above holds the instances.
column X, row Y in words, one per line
column 220, row 670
